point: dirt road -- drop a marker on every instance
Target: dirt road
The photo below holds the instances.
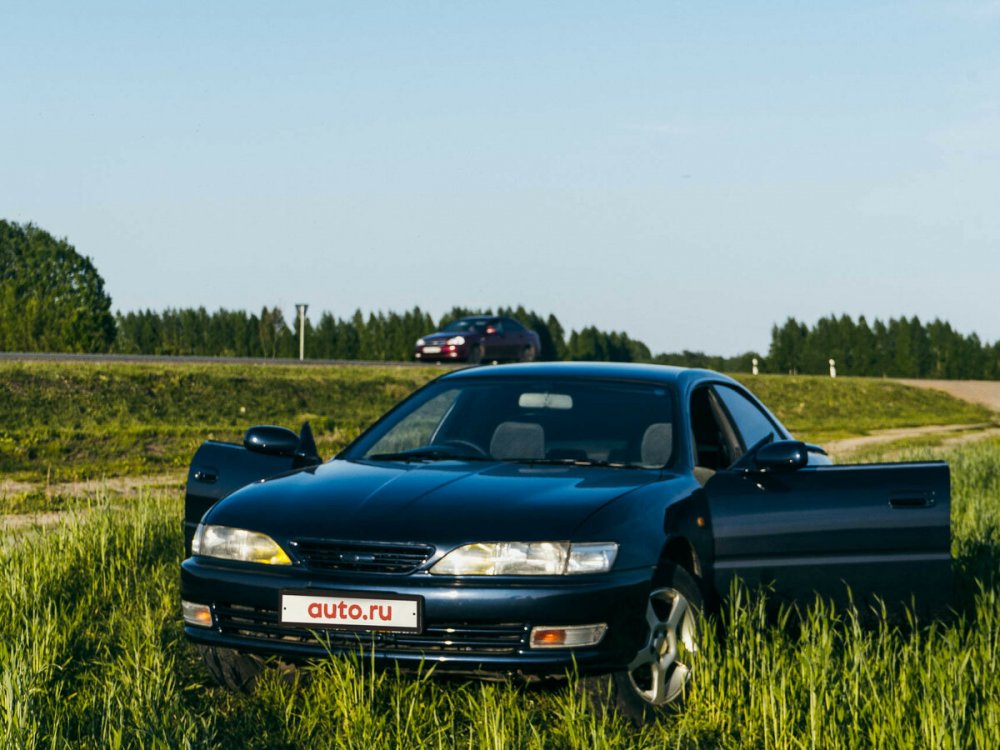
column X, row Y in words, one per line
column 983, row 392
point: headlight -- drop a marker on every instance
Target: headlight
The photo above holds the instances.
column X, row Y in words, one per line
column 527, row 559
column 456, row 341
column 420, row 342
column 237, row 544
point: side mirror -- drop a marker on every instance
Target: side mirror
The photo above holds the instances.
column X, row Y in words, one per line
column 271, row 440
column 782, row 455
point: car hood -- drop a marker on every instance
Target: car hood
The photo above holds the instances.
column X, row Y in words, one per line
column 447, row 502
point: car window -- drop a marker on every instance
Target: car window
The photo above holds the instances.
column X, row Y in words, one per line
column 419, row 427
column 752, row 424
column 464, row 324
column 512, row 325
column 715, row 443
column 533, row 419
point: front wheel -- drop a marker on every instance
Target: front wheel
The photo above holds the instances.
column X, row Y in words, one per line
column 238, row 672
column 232, row 669
column 658, row 676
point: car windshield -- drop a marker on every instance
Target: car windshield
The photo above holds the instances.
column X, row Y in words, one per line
column 562, row 421
column 465, row 324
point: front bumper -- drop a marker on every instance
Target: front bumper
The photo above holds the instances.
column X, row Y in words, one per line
column 445, row 353
column 479, row 627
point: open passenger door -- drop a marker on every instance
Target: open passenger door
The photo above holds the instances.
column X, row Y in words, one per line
column 784, row 518
column 879, row 530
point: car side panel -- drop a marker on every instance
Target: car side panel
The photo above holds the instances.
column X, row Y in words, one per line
column 882, row 530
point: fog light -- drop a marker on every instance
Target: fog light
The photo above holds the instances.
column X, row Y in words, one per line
column 197, row 614
column 571, row 636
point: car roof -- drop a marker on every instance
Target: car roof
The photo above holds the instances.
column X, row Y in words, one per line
column 681, row 377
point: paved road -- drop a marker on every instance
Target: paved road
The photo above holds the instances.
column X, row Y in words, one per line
column 165, row 359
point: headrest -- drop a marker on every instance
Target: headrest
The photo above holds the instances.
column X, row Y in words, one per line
column 518, row 440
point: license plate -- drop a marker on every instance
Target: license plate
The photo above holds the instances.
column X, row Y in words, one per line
column 432, row 350
column 351, row 611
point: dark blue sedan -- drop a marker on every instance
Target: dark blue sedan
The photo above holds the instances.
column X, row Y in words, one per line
column 538, row 519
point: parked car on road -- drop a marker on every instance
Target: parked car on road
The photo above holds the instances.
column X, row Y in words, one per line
column 542, row 518
column 479, row 338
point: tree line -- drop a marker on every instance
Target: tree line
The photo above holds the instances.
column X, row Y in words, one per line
column 903, row 347
column 381, row 336
column 52, row 299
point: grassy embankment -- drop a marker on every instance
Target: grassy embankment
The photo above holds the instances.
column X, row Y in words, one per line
column 69, row 422
column 820, row 409
column 77, row 421
column 92, row 656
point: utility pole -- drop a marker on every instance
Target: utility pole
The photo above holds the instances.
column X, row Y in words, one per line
column 302, row 307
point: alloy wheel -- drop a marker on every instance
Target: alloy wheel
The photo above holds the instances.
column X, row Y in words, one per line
column 661, row 669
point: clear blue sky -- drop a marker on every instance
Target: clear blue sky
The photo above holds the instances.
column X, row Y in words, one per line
column 690, row 173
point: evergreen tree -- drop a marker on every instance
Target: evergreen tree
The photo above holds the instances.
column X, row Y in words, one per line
column 274, row 333
column 788, row 347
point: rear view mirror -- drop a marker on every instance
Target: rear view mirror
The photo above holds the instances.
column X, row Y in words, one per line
column 782, row 455
column 545, row 401
column 272, row 440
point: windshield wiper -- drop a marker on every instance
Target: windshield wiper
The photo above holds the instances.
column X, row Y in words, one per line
column 575, row 462
column 426, row 454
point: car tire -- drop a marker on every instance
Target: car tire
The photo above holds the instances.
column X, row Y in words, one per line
column 233, row 670
column 659, row 675
column 529, row 354
column 475, row 355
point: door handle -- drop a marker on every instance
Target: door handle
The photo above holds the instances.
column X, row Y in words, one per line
column 904, row 500
column 208, row 476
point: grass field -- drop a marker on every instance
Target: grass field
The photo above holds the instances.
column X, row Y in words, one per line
column 92, row 653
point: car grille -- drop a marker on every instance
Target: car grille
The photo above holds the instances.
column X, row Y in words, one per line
column 362, row 557
column 455, row 638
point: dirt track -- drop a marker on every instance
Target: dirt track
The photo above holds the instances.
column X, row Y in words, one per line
column 983, row 392
column 951, row 434
column 114, row 487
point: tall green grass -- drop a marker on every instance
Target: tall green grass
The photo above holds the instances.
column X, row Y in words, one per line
column 92, row 655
